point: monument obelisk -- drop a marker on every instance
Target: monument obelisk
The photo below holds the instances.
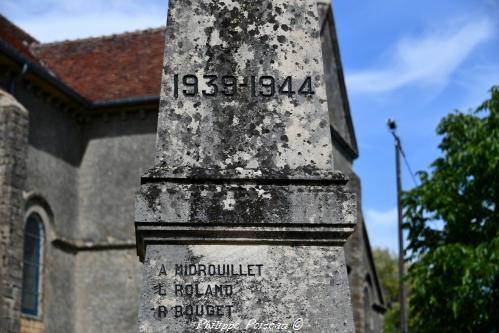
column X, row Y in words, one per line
column 240, row 223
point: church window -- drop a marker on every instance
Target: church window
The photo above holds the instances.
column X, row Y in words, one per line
column 32, row 265
column 367, row 311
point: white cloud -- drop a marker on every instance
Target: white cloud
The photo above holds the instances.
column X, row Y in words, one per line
column 53, row 20
column 430, row 59
column 381, row 218
column 382, row 228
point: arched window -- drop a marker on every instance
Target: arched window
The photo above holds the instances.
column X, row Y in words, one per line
column 367, row 311
column 32, row 269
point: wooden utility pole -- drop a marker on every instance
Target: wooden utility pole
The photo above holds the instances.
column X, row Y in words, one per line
column 392, row 125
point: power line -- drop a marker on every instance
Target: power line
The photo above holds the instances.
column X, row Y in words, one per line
column 408, row 166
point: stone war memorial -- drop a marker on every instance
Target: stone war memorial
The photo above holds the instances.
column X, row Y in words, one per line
column 241, row 222
column 239, row 177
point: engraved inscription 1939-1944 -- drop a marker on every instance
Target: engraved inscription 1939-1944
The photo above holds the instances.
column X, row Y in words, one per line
column 230, row 85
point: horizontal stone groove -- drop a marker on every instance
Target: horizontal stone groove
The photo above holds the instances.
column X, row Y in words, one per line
column 246, row 181
column 335, row 236
column 260, row 226
column 242, row 241
column 276, row 233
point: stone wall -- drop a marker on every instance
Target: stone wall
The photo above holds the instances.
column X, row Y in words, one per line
column 13, row 149
column 107, row 291
column 362, row 274
column 53, row 159
column 118, row 149
column 82, row 172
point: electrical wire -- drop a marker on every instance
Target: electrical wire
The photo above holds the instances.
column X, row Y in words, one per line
column 408, row 166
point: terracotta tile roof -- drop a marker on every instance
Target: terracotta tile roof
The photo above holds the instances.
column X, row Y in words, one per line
column 16, row 38
column 108, row 68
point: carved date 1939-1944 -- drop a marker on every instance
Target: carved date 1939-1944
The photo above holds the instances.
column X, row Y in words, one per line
column 229, row 85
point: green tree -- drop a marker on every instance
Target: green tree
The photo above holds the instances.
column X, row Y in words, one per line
column 387, row 268
column 453, row 223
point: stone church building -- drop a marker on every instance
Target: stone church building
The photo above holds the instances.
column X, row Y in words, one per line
column 77, row 130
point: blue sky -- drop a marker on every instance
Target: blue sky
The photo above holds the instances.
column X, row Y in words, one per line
column 414, row 61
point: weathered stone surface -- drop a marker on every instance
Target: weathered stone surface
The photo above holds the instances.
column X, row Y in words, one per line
column 244, row 174
column 253, row 213
column 13, row 148
column 236, row 130
column 302, row 286
column 255, row 204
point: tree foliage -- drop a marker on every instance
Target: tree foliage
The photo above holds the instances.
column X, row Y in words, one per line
column 453, row 223
column 387, row 268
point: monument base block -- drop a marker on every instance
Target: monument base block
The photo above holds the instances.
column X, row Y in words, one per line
column 244, row 255
column 242, row 288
